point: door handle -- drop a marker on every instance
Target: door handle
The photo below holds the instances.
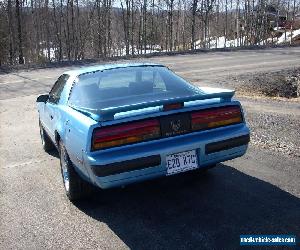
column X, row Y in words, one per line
column 51, row 116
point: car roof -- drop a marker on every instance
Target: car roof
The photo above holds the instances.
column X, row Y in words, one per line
column 101, row 67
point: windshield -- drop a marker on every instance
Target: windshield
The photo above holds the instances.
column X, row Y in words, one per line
column 127, row 86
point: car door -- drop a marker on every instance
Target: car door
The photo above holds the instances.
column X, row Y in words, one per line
column 51, row 108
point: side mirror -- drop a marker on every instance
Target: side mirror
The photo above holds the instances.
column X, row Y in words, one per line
column 42, row 98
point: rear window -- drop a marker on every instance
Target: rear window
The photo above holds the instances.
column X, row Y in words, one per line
column 126, row 86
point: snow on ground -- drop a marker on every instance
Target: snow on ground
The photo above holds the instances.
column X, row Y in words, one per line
column 215, row 42
column 287, row 36
column 221, row 42
column 122, row 51
column 52, row 53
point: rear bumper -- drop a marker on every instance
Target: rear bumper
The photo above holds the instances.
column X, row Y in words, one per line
column 125, row 166
column 227, row 144
column 134, row 163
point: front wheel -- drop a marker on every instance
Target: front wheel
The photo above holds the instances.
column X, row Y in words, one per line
column 75, row 187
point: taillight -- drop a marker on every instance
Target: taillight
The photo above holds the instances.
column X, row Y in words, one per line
column 216, row 117
column 173, row 106
column 118, row 135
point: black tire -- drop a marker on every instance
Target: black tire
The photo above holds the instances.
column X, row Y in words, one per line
column 75, row 187
column 46, row 141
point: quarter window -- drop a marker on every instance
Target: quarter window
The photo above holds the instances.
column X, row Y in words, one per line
column 57, row 89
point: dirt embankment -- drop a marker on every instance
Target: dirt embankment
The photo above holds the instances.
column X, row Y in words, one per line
column 283, row 83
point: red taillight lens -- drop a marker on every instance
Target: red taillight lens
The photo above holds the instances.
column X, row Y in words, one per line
column 125, row 134
column 216, row 117
column 172, row 106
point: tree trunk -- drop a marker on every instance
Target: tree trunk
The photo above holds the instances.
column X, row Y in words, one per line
column 145, row 25
column 11, row 33
column 194, row 9
column 57, row 32
column 18, row 13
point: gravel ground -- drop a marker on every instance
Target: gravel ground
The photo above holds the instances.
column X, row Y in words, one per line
column 273, row 118
column 269, row 129
column 278, row 133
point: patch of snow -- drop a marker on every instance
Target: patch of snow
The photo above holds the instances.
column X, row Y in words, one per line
column 279, row 28
column 52, row 53
column 221, row 42
column 137, row 51
column 288, row 36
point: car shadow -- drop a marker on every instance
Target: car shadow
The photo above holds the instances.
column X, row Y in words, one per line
column 54, row 153
column 189, row 211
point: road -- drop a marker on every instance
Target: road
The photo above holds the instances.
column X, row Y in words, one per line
column 258, row 193
column 202, row 67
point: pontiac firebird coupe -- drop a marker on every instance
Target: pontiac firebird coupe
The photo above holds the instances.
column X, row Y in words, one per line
column 123, row 123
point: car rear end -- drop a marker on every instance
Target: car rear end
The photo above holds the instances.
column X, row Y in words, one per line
column 152, row 123
column 167, row 143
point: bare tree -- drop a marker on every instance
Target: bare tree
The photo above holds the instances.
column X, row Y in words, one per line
column 73, row 29
column 11, row 33
column 18, row 14
column 126, row 22
column 194, row 12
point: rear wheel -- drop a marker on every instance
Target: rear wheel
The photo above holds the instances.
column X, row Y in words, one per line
column 76, row 188
column 46, row 141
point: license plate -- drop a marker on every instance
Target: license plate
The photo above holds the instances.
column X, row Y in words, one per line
column 181, row 162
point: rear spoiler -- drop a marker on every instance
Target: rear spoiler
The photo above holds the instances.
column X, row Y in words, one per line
column 107, row 114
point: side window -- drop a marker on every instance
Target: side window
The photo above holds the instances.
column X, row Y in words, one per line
column 57, row 89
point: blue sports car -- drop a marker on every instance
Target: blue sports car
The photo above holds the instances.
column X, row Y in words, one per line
column 118, row 124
